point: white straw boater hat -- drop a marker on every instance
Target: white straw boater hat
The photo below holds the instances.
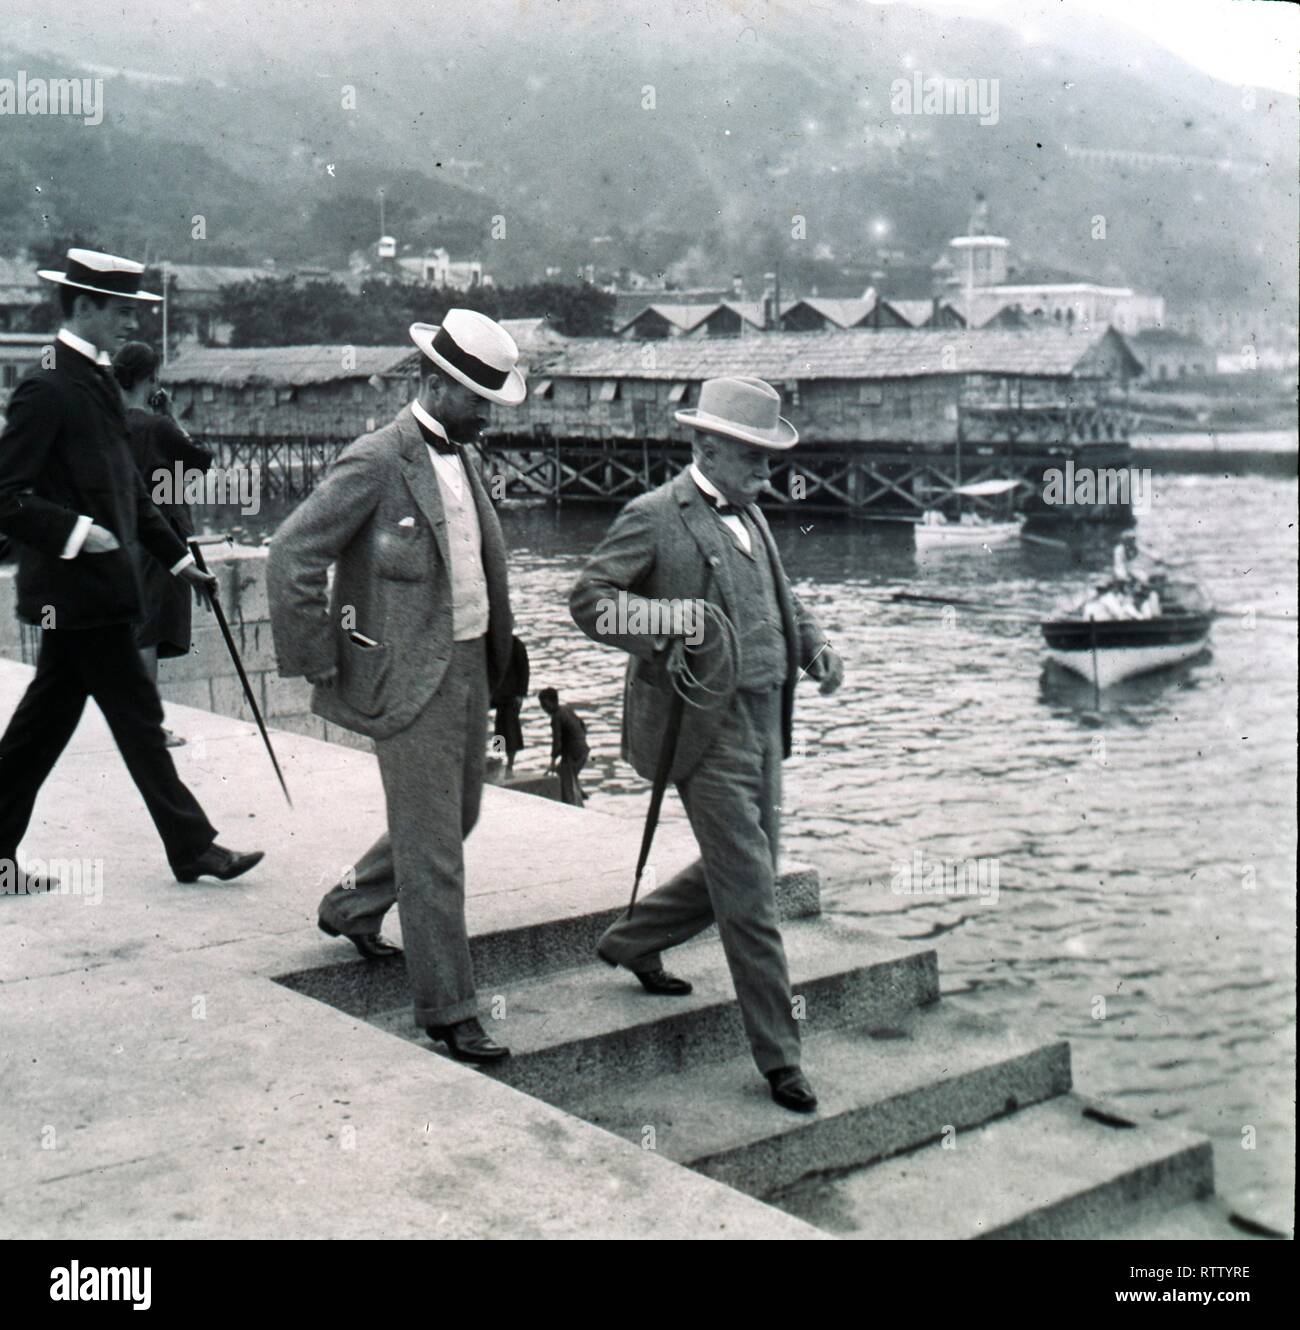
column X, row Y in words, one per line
column 107, row 274
column 475, row 351
column 741, row 408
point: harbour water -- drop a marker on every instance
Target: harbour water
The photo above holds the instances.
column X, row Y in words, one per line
column 1145, row 862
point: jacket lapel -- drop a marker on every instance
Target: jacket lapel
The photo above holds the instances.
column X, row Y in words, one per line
column 702, row 522
column 417, row 471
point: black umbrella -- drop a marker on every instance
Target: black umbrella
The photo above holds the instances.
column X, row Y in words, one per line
column 667, row 751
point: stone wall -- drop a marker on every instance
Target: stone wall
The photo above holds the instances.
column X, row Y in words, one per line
column 206, row 677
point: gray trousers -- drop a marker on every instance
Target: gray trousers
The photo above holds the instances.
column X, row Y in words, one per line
column 733, row 801
column 433, row 784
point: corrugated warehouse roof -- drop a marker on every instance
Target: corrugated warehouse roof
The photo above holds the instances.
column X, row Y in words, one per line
column 684, row 317
column 844, row 313
column 1049, row 352
column 916, row 312
column 289, row 365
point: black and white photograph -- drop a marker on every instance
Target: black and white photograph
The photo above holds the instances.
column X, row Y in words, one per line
column 648, row 620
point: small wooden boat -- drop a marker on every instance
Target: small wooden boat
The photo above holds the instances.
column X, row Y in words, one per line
column 971, row 530
column 966, row 534
column 1123, row 648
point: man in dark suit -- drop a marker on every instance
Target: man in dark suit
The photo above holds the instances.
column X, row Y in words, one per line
column 407, row 649
column 700, row 539
column 74, row 504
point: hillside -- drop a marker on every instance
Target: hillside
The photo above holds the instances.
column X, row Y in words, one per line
column 535, row 114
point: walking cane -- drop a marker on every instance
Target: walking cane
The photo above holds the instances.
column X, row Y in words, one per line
column 667, row 751
column 215, row 606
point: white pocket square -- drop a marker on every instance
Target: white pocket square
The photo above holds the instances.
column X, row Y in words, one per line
column 407, row 521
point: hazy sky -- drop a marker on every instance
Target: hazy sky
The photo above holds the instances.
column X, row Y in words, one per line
column 1250, row 43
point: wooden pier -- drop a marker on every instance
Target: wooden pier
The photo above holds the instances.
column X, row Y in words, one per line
column 891, row 423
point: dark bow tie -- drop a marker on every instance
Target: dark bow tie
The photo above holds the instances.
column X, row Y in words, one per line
column 437, row 442
column 720, row 505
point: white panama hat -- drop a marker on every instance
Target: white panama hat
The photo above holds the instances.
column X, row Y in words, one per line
column 475, row 351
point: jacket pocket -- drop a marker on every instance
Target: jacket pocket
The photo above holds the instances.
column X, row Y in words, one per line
column 363, row 674
column 402, row 556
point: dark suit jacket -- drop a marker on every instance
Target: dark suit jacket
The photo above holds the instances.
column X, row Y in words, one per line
column 65, row 451
column 669, row 544
column 393, row 581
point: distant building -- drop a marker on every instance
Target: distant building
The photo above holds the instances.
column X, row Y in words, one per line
column 438, row 268
column 316, row 391
column 1171, row 355
column 820, row 314
column 21, row 291
column 19, row 352
column 838, row 387
column 659, row 321
column 194, row 299
column 732, row 318
column 319, row 392
column 977, row 277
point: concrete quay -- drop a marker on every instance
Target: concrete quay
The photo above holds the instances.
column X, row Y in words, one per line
column 199, row 1061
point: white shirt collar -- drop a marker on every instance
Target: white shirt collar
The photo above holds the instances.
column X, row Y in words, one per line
column 708, row 486
column 427, row 420
column 87, row 349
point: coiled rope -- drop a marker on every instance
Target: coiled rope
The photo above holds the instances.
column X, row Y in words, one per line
column 710, row 668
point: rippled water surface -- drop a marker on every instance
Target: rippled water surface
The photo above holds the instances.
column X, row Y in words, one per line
column 1145, row 856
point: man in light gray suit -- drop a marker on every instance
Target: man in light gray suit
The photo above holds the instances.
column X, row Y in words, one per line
column 702, row 538
column 407, row 648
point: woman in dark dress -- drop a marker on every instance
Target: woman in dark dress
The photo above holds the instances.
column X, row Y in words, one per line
column 158, row 444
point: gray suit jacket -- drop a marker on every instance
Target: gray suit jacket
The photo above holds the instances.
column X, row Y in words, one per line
column 392, row 583
column 669, row 544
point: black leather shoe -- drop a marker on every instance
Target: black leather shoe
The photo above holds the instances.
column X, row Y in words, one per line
column 791, row 1090
column 466, row 1041
column 371, row 946
column 218, row 862
column 662, row 984
column 658, row 982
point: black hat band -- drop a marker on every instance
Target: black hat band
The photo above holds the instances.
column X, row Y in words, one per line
column 123, row 283
column 471, row 366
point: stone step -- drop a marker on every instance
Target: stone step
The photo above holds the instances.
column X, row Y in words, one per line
column 1067, row 1168
column 1208, row 1220
column 568, row 941
column 883, row 1088
column 556, row 935
column 582, row 1028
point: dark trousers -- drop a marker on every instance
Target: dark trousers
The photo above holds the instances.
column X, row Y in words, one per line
column 103, row 663
column 433, row 785
column 570, row 787
column 733, row 800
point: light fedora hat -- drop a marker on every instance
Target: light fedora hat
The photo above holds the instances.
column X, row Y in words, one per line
column 475, row 351
column 741, row 408
column 107, row 274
